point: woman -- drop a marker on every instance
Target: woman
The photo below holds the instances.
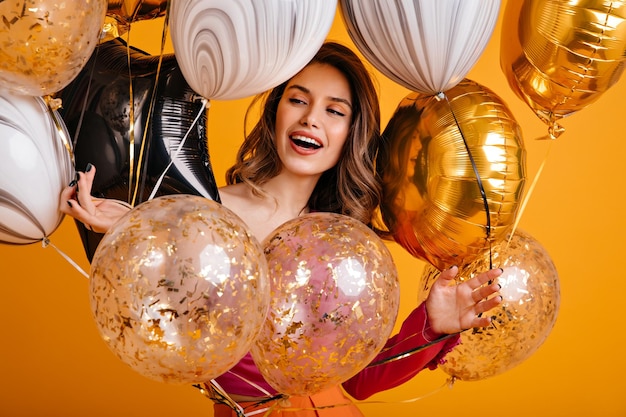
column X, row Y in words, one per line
column 314, row 150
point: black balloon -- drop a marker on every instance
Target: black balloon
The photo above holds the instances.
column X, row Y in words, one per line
column 97, row 112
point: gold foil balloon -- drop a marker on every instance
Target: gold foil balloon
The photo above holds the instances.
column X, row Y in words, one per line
column 233, row 49
column 128, row 11
column 443, row 163
column 334, row 302
column 560, row 56
column 427, row 46
column 179, row 289
column 45, row 43
column 531, row 297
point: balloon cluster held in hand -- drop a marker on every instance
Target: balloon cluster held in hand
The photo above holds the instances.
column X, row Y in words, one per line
column 334, row 302
column 179, row 289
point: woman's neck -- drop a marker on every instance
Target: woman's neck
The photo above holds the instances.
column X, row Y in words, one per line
column 285, row 197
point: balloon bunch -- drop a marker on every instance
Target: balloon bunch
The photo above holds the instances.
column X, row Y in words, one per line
column 453, row 161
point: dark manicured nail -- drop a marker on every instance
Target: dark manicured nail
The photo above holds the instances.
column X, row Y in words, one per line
column 88, row 167
column 73, row 183
column 69, row 203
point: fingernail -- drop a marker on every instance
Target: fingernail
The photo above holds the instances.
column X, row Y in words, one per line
column 499, row 287
column 501, row 270
column 73, row 183
column 88, row 167
column 69, row 203
column 453, row 266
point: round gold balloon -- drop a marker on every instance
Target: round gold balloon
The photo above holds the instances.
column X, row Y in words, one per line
column 44, row 44
column 560, row 56
column 453, row 174
column 521, row 324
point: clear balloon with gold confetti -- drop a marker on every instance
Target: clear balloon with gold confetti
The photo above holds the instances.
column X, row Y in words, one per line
column 179, row 289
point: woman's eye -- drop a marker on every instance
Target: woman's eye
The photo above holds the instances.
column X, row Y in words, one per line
column 336, row 112
column 296, row 101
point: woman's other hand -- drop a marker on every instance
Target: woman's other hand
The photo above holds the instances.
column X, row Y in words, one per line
column 97, row 214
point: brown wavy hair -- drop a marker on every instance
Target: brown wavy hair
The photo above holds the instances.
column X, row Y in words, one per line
column 352, row 186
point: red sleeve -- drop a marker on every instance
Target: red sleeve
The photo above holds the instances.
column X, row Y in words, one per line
column 415, row 332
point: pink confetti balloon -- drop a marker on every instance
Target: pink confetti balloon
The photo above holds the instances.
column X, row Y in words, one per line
column 179, row 289
column 334, row 302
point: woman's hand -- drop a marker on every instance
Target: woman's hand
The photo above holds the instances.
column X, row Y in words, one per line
column 97, row 214
column 455, row 307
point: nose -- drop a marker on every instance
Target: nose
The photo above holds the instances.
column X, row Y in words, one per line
column 309, row 118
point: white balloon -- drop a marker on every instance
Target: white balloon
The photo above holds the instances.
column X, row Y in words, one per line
column 427, row 46
column 35, row 165
column 233, row 49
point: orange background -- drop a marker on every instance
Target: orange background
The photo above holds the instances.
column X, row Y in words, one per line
column 53, row 362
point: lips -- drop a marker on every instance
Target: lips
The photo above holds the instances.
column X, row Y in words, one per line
column 305, row 142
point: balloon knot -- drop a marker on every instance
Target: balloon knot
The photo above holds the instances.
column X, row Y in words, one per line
column 440, row 95
column 45, row 242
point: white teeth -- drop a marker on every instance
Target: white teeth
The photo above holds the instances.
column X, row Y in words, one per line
column 305, row 139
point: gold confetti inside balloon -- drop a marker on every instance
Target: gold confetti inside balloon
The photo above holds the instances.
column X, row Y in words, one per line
column 45, row 43
column 334, row 302
column 179, row 289
column 438, row 158
column 521, row 324
column 560, row 56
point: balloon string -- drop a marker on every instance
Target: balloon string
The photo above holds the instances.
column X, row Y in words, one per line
column 86, row 96
column 530, row 191
column 131, row 117
column 410, row 352
column 442, row 95
column 52, row 105
column 153, row 99
column 178, row 149
column 45, row 242
column 215, row 393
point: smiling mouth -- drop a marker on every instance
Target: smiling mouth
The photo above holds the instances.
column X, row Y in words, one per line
column 305, row 142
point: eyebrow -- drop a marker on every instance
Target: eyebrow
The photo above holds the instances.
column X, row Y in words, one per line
column 307, row 91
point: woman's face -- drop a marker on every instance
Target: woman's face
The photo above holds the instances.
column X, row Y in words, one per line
column 313, row 120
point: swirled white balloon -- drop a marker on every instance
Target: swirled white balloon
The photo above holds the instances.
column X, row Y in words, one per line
column 35, row 165
column 235, row 49
column 426, row 46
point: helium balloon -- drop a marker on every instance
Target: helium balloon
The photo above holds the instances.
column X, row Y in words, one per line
column 521, row 324
column 236, row 49
column 426, row 46
column 129, row 11
column 453, row 174
column 334, row 302
column 179, row 289
column 561, row 56
column 129, row 162
column 46, row 43
column 35, row 165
